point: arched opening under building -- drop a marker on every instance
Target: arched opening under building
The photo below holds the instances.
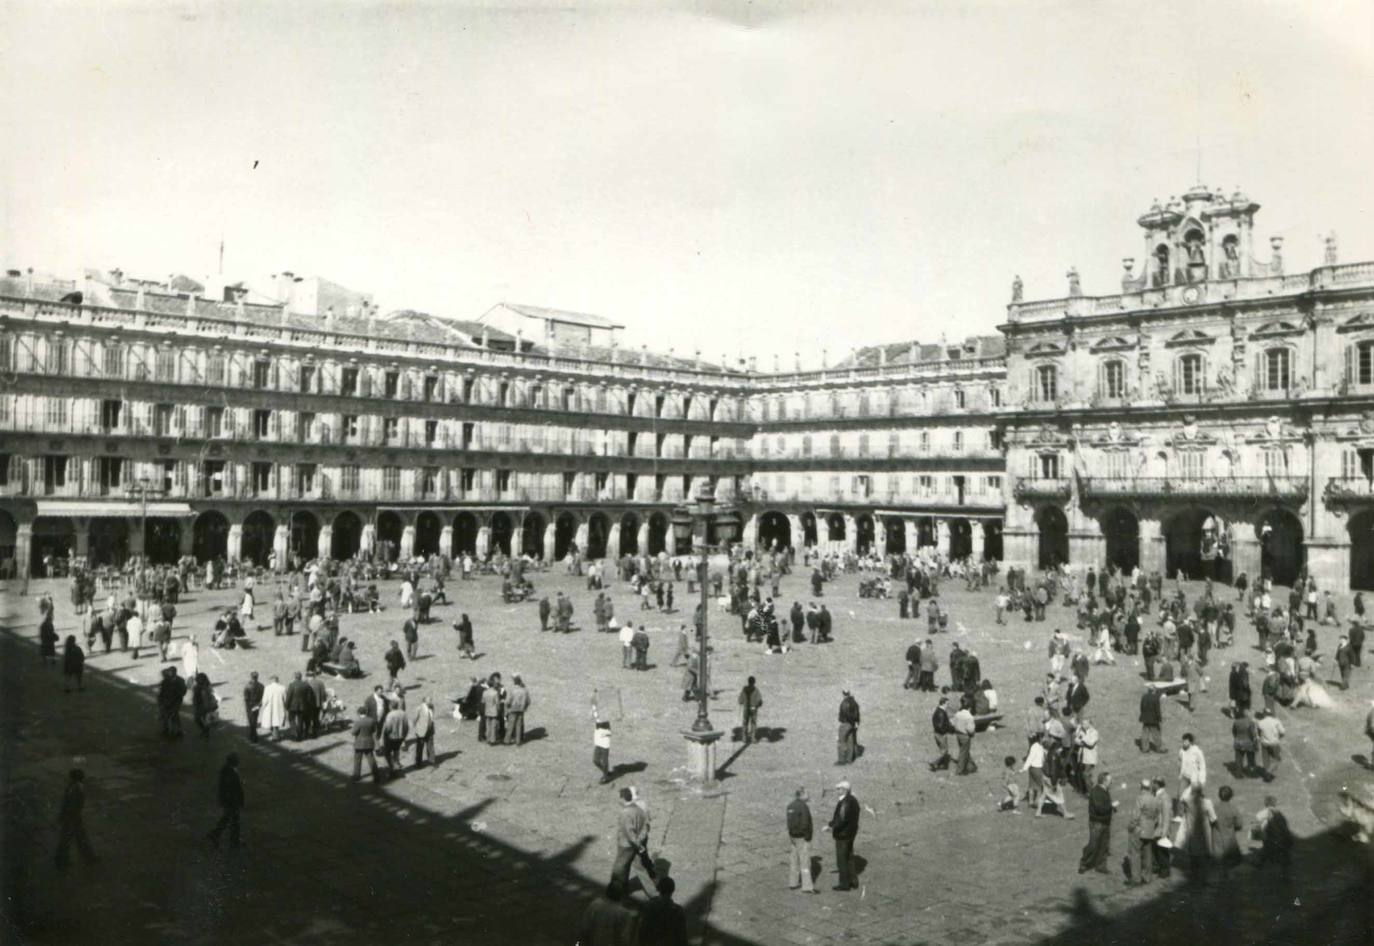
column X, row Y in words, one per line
column 597, row 528
column 108, row 542
column 532, row 535
column 53, row 538
column 810, row 534
column 564, row 535
column 865, row 534
column 427, row 529
column 305, row 535
column 925, row 532
column 1054, row 538
column 501, row 531
column 162, row 540
column 658, row 533
column 346, row 537
column 9, row 536
column 1282, row 553
column 389, row 530
column 255, row 541
column 1196, row 546
column 992, row 540
column 1121, row 529
column 895, row 530
column 210, row 537
column 465, row 534
column 834, row 527
column 1362, row 551
column 960, row 539
column 629, row 534
column 775, row 532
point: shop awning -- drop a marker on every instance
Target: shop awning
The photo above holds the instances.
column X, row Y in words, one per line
column 117, row 508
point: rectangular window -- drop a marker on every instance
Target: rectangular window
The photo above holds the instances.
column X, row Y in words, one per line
column 305, row 479
column 165, row 367
column 215, row 369
column 1276, row 463
column 1047, row 384
column 262, row 424
column 214, row 422
column 348, row 477
column 391, row 429
column 958, row 441
column 350, row 427
column 214, row 477
column 925, row 441
column 468, row 479
column 1192, row 464
column 1276, row 370
column 1364, row 363
column 391, row 480
column 110, row 413
column 348, row 382
column 305, row 427
column 431, row 433
column 55, row 412
column 503, row 481
column 391, row 385
column 54, row 473
column 1049, row 466
column 162, row 420
column 996, row 394
column 925, row 485
column 430, row 480
column 431, row 387
column 994, row 484
column 113, row 361
column 111, row 473
column 1113, row 379
column 261, row 478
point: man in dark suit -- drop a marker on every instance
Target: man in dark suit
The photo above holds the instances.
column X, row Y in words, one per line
column 1077, row 696
column 940, row 724
column 252, row 702
column 295, row 704
column 844, row 826
column 375, row 706
column 364, row 744
column 320, row 694
column 231, row 800
column 1151, row 718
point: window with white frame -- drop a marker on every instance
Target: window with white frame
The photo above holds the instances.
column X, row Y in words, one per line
column 1192, row 464
column 1276, row 462
column 1361, row 370
column 1188, row 376
column 1277, row 369
column 1114, row 378
column 958, row 441
column 1046, row 384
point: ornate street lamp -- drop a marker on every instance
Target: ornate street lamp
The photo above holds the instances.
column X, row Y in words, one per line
column 704, row 516
column 142, row 489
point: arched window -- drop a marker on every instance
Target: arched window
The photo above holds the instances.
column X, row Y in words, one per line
column 1046, row 387
column 1277, row 369
column 1113, row 381
column 1188, row 374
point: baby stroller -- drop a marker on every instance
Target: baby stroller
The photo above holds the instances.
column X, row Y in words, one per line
column 332, row 714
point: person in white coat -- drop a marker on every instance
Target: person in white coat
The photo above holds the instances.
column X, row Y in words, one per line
column 272, row 716
column 190, row 658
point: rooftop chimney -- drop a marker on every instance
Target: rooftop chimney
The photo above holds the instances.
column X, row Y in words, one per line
column 696, row 359
column 28, row 283
column 643, row 354
column 329, row 319
column 825, row 359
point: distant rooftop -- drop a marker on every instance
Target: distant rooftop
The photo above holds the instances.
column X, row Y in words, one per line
column 557, row 315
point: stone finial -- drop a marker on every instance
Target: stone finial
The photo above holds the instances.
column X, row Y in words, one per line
column 776, row 369
column 825, row 358
column 1331, row 252
column 1075, row 287
column 796, row 360
column 1276, row 255
column 1018, row 289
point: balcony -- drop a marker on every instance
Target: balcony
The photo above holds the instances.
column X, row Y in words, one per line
column 1348, row 490
column 1055, row 488
column 1234, row 487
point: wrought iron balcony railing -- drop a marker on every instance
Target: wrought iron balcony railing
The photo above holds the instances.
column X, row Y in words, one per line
column 1229, row 487
column 1041, row 488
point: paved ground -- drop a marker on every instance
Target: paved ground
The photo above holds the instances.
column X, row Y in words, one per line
column 506, row 845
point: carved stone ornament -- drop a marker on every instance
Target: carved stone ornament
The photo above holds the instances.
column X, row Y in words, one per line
column 1048, row 434
column 1273, row 428
column 1189, row 429
column 1367, row 422
column 1114, row 432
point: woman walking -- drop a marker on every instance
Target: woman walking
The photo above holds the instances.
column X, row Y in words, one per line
column 73, row 664
column 47, row 640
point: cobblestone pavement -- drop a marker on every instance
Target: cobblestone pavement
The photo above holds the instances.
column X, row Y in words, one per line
column 508, row 844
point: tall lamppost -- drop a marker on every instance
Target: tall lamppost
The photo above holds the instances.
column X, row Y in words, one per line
column 702, row 517
column 142, row 489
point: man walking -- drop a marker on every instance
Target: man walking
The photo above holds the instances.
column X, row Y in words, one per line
column 71, row 822
column 1244, row 736
column 964, row 728
column 844, row 827
column 940, row 724
column 545, row 609
column 632, row 836
column 799, row 830
column 230, row 800
column 252, row 703
column 395, row 728
column 1145, row 829
column 1100, row 811
column 750, row 700
column 1271, row 732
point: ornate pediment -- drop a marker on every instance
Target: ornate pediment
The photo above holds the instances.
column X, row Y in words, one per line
column 1365, row 320
column 1045, row 349
column 1189, row 435
column 1115, row 343
column 1277, row 329
column 1190, row 336
column 1276, row 431
column 1115, row 438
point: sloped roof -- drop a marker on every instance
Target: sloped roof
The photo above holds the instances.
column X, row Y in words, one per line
column 900, row 353
column 555, row 315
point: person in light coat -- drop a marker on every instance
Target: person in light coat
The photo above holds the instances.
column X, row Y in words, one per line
column 190, row 658
column 272, row 717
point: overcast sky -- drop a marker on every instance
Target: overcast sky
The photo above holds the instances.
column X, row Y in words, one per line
column 718, row 176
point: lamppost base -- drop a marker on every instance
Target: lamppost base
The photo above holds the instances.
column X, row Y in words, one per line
column 701, row 755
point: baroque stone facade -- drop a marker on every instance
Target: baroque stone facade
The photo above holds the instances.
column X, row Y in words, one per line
column 1217, row 415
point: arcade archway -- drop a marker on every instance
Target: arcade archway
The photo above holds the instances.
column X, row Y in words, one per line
column 597, row 529
column 895, row 530
column 810, row 533
column 501, row 531
column 1282, row 553
column 864, row 534
column 1121, row 529
column 774, row 531
column 1196, row 546
column 1053, row 548
column 658, row 533
column 532, row 535
column 210, row 537
column 305, row 535
column 465, row 534
column 960, row 539
column 53, row 538
column 346, row 537
column 109, row 541
column 162, row 540
column 629, row 534
column 427, row 529
column 1362, row 551
column 925, row 532
column 992, row 540
column 389, row 530
column 9, row 536
column 255, row 542
column 834, row 527
column 564, row 535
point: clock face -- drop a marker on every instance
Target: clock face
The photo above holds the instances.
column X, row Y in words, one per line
column 1191, row 294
